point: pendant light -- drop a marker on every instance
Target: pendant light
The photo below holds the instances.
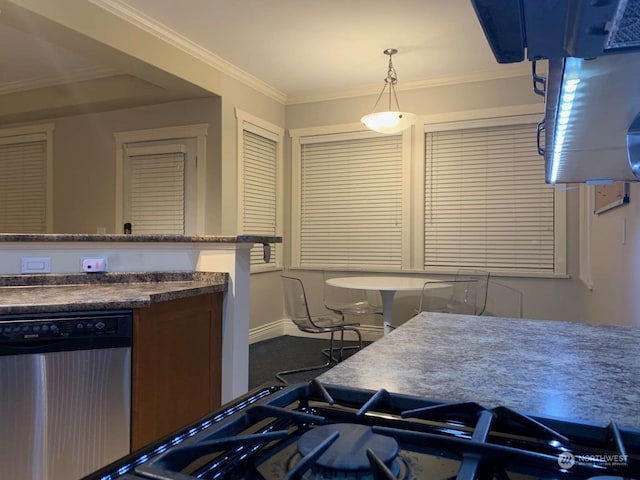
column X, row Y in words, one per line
column 390, row 121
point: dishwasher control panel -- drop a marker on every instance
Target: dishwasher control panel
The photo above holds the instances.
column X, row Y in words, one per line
column 60, row 328
column 16, row 329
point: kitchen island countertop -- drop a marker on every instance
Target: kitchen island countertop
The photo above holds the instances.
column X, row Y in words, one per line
column 587, row 373
column 100, row 291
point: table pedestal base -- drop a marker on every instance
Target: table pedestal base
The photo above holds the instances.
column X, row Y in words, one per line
column 387, row 309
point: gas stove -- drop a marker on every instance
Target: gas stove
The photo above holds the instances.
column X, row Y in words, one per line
column 316, row 431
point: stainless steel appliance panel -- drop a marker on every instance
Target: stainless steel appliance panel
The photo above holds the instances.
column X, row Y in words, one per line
column 63, row 414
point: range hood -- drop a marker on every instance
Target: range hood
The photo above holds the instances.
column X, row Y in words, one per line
column 543, row 29
column 592, row 92
column 601, row 138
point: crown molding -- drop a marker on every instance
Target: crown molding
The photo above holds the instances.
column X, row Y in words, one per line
column 72, row 76
column 505, row 71
column 149, row 25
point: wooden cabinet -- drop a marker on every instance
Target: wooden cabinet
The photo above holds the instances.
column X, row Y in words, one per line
column 176, row 365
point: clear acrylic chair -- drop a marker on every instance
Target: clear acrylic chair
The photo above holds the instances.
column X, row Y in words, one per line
column 350, row 301
column 504, row 301
column 465, row 294
column 296, row 308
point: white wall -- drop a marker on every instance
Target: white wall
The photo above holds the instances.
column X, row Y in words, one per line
column 615, row 261
column 84, row 161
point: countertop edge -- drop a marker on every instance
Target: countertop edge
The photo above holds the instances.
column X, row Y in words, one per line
column 107, row 291
column 64, row 237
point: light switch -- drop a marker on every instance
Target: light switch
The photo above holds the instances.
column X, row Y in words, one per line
column 36, row 264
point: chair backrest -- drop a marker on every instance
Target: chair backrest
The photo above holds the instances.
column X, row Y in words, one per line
column 464, row 297
column 481, row 285
column 296, row 306
column 504, row 301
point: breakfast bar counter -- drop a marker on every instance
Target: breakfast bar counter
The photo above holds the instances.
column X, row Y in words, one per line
column 588, row 373
column 226, row 258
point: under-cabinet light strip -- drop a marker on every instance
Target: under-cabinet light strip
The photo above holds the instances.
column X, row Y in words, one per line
column 568, row 91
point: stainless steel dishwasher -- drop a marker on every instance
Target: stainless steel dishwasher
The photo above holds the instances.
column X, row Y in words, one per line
column 65, row 390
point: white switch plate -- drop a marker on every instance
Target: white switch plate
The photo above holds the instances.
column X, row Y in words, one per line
column 36, row 264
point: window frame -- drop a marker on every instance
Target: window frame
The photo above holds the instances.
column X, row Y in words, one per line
column 37, row 132
column 336, row 132
column 560, row 217
column 197, row 131
column 163, row 152
column 258, row 126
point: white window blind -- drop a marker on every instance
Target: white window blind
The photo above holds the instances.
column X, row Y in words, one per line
column 351, row 201
column 486, row 201
column 157, row 193
column 23, row 187
column 260, row 170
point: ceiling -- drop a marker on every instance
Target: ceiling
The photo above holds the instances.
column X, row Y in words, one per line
column 301, row 49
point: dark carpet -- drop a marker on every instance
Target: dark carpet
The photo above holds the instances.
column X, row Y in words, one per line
column 268, row 357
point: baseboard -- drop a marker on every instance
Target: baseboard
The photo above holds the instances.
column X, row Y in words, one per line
column 370, row 333
column 265, row 332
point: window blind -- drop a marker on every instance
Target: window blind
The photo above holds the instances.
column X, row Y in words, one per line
column 23, row 187
column 351, row 202
column 486, row 201
column 259, row 190
column 157, row 193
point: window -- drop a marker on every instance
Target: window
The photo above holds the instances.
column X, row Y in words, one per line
column 26, row 160
column 152, row 167
column 260, row 185
column 351, row 199
column 486, row 201
column 468, row 193
column 155, row 189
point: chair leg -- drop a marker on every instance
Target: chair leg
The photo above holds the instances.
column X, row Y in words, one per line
column 328, row 363
column 325, row 351
column 300, row 370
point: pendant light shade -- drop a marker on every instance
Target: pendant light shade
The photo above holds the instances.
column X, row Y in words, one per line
column 388, row 122
column 391, row 120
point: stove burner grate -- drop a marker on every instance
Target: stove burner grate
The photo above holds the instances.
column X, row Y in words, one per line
column 347, row 451
column 297, row 431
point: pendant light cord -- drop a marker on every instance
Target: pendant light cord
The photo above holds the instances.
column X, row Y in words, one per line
column 390, row 81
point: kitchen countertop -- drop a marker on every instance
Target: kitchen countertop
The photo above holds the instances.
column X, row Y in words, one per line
column 99, row 291
column 582, row 372
column 73, row 237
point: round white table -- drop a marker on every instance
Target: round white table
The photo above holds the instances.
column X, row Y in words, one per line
column 387, row 286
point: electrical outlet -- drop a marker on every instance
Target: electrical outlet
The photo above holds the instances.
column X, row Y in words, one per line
column 94, row 264
column 36, row 264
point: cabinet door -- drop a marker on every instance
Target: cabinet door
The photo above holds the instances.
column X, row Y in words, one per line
column 177, row 360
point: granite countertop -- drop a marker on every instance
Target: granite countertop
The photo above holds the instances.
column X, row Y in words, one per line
column 68, row 237
column 587, row 373
column 99, row 291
